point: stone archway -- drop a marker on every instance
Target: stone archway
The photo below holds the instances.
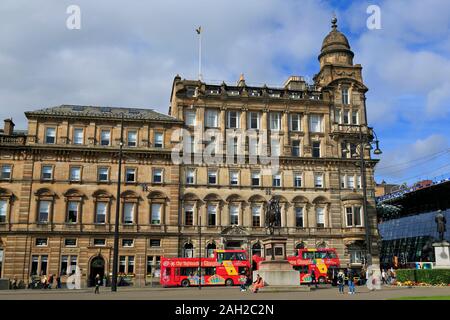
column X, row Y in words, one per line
column 96, row 266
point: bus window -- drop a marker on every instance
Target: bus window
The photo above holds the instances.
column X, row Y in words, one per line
column 321, row 254
column 331, row 255
column 231, row 256
column 308, row 255
column 210, row 271
column 242, row 270
column 188, row 271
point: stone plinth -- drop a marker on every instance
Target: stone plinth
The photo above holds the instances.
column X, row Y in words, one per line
column 276, row 270
column 442, row 254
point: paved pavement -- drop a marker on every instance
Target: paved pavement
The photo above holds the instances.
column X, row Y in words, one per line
column 220, row 293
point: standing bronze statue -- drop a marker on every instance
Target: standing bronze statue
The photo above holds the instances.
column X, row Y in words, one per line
column 273, row 215
column 440, row 221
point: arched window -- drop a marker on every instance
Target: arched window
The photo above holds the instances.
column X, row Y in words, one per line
column 256, row 249
column 298, row 246
column 210, row 250
column 188, row 250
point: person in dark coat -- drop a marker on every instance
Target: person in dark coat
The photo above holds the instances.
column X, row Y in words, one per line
column 98, row 282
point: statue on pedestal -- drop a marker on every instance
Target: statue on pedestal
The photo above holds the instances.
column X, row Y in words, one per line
column 441, row 222
column 273, row 215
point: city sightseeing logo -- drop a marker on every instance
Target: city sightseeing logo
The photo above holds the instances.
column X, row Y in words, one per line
column 215, row 147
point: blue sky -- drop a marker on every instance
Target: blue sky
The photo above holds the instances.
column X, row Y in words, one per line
column 127, row 53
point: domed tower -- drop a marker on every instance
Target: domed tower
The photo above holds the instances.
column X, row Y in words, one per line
column 335, row 48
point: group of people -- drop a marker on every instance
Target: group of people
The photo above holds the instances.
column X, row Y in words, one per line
column 247, row 284
column 46, row 282
column 388, row 276
column 348, row 277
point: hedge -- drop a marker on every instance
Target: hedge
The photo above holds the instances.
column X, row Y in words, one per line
column 430, row 276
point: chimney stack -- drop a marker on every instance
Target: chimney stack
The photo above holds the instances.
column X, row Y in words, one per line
column 9, row 127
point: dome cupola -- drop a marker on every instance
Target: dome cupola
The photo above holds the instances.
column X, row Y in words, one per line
column 335, row 48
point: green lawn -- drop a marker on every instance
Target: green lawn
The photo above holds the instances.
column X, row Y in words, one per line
column 423, row 298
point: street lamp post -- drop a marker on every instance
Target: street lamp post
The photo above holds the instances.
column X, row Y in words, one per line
column 366, row 143
column 200, row 252
column 116, row 222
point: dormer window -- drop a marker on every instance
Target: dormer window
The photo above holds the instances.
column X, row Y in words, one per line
column 233, row 92
column 190, row 91
column 254, row 93
column 295, row 95
column 212, row 91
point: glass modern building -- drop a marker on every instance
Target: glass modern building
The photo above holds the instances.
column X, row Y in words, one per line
column 407, row 224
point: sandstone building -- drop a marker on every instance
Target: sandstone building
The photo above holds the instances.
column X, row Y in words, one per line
column 59, row 178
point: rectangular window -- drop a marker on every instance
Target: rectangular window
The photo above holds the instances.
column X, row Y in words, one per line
column 233, row 119
column 34, row 265
column 315, row 123
column 275, row 121
column 75, row 174
column 50, row 136
column 130, row 175
column 128, row 213
column 73, row 264
column 350, row 182
column 122, row 264
column 78, row 136
column 99, row 242
column 132, row 138
column 355, row 118
column 318, row 180
column 353, row 150
column 234, row 215
column 344, row 150
column 41, row 242
column 299, row 217
column 212, row 209
column 100, row 212
column 256, row 216
column 337, row 116
column 276, row 180
column 212, row 177
column 44, row 263
column 157, row 175
column 44, row 211
column 155, row 243
column 357, row 216
column 275, row 147
column 343, row 180
column 64, row 264
column 346, row 117
column 234, row 178
column 103, row 174
column 3, row 210
column 105, row 137
column 190, row 118
column 296, row 148
column 320, row 216
column 256, row 178
column 47, row 173
column 159, row 140
column 72, row 211
column 156, row 213
column 189, row 215
column 70, row 242
column 316, row 149
column 6, row 172
column 345, row 97
column 295, row 122
column 253, row 120
column 349, row 215
column 211, row 118
column 358, row 182
column 127, row 243
column 190, row 176
column 153, row 266
column 297, row 180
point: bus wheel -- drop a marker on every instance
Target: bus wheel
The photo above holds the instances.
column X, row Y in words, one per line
column 322, row 280
column 229, row 282
column 185, row 283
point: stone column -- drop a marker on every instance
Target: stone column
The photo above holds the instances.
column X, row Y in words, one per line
column 291, row 216
column 285, row 148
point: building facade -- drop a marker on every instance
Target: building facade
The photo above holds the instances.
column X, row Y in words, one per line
column 59, row 179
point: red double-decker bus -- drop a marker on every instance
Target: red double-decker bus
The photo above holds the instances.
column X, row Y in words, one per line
column 324, row 262
column 226, row 267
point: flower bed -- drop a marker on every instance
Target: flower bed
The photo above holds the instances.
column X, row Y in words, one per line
column 423, row 278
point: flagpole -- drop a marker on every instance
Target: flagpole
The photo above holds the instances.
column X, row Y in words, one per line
column 199, row 32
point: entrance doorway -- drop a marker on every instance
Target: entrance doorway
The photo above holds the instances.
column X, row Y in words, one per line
column 97, row 267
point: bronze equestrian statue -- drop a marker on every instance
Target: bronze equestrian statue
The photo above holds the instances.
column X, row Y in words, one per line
column 440, row 221
column 273, row 216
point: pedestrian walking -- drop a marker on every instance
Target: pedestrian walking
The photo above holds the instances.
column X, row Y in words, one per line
column 313, row 278
column 50, row 281
column 351, row 282
column 58, row 282
column 98, row 282
column 384, row 278
column 243, row 281
column 340, row 281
